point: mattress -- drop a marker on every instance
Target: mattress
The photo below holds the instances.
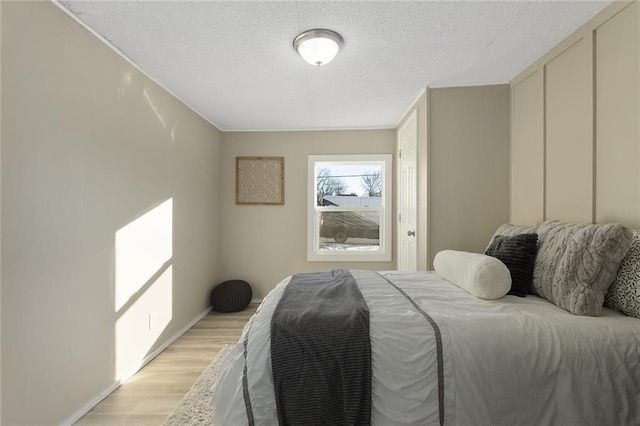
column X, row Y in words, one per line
column 443, row 356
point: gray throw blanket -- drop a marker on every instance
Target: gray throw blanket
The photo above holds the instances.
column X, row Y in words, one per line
column 321, row 352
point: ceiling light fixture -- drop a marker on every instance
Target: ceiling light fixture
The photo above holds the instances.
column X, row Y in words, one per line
column 319, row 46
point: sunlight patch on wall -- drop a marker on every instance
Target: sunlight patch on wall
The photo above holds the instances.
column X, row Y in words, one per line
column 144, row 286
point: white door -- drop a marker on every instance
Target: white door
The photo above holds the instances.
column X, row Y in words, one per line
column 407, row 194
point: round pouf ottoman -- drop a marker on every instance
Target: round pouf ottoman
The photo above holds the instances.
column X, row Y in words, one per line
column 231, row 296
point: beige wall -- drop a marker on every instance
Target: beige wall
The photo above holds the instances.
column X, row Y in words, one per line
column 569, row 144
column 463, row 168
column 90, row 149
column 617, row 135
column 527, row 191
column 468, row 166
column 575, row 111
column 0, row 219
column 527, row 151
column 264, row 244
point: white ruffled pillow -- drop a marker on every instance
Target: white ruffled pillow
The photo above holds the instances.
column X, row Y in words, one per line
column 483, row 276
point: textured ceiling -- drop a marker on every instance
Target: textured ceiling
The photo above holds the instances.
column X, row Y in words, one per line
column 233, row 61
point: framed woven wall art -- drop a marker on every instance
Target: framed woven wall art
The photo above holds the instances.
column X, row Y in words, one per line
column 260, row 180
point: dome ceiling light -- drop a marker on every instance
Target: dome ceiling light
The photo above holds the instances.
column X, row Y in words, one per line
column 318, row 47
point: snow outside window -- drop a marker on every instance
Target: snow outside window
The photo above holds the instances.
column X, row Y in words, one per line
column 349, row 208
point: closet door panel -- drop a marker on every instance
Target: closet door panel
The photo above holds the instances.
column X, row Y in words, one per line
column 569, row 134
column 527, row 150
column 617, row 119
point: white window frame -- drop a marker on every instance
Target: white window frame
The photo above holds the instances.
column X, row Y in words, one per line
column 383, row 254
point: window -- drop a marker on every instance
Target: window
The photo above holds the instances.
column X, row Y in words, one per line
column 349, row 208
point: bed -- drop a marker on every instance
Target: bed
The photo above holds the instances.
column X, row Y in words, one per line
column 441, row 355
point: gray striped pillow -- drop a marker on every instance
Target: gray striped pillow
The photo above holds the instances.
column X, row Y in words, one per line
column 518, row 253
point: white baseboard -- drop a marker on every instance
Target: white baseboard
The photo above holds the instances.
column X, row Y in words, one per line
column 115, row 385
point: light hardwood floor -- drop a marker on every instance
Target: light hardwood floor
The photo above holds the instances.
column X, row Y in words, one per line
column 150, row 395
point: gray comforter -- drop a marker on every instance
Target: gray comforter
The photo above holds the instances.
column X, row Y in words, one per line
column 510, row 361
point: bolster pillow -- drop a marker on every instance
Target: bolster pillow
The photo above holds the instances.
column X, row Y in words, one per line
column 483, row 276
